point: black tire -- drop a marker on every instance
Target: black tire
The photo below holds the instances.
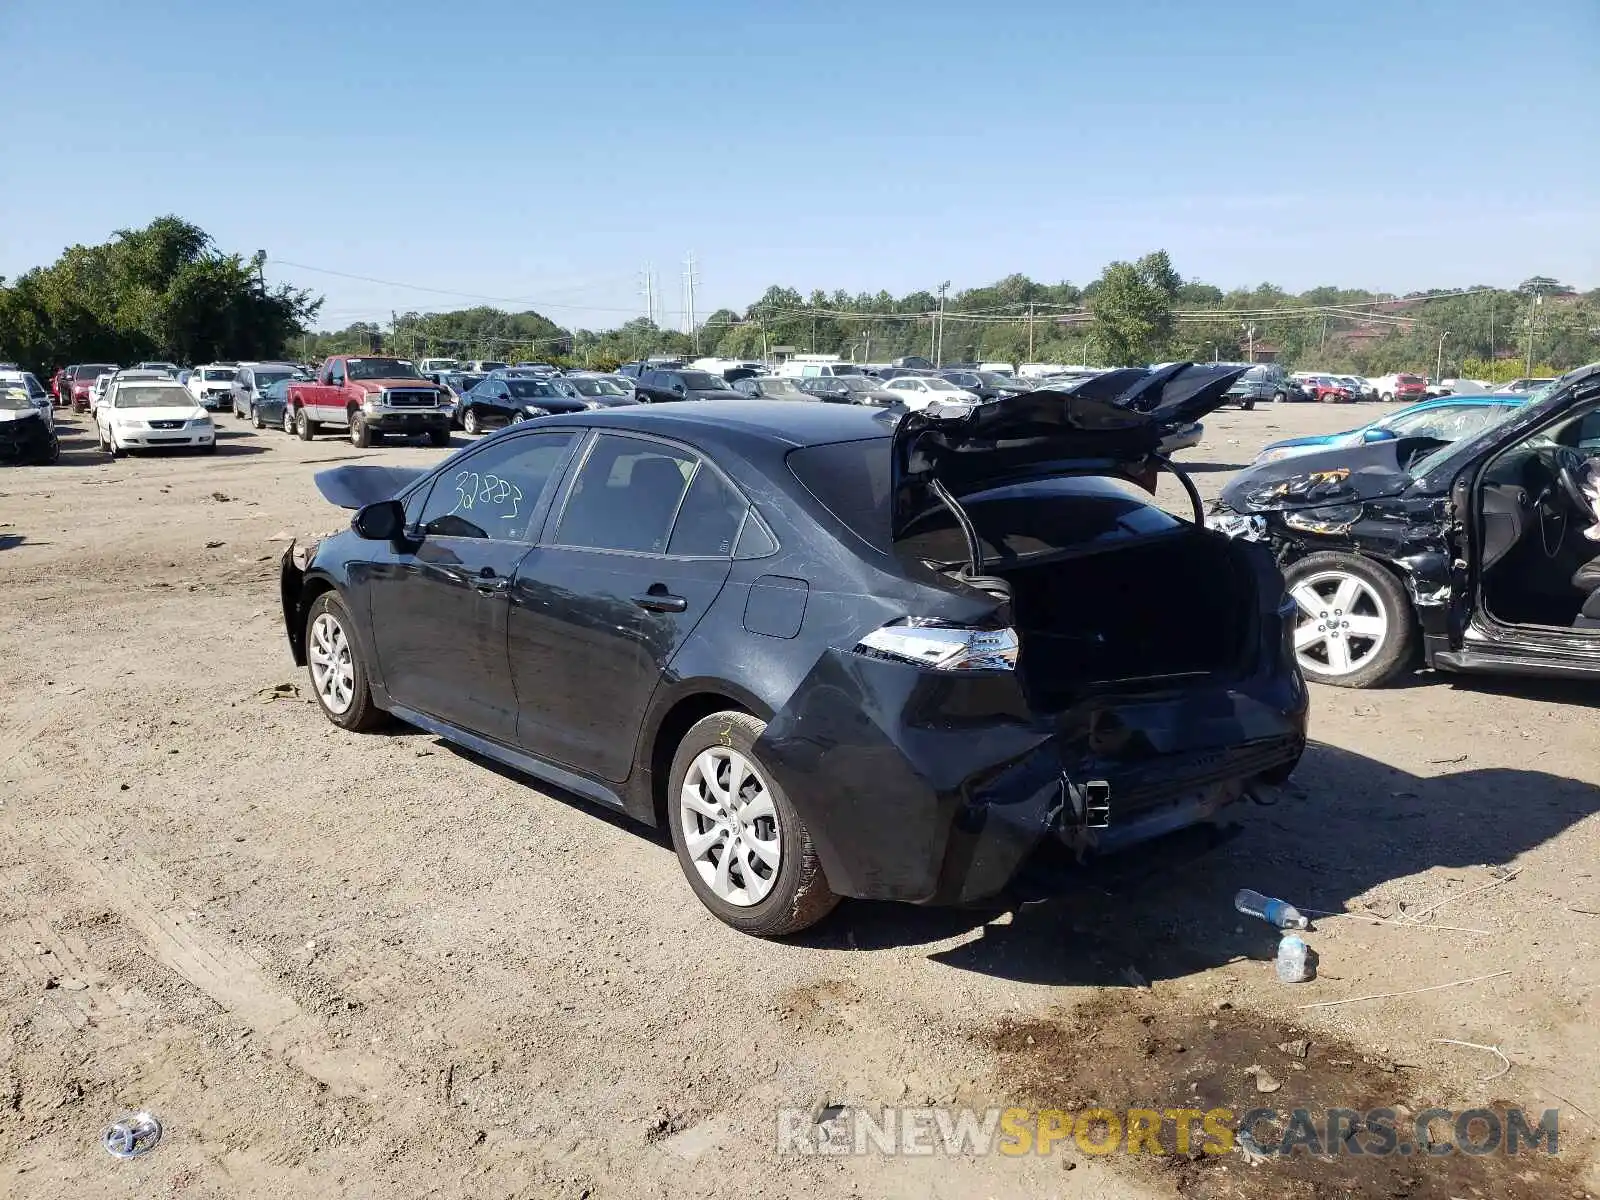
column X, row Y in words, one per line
column 1278, row 397
column 470, row 423
column 305, row 428
column 360, row 435
column 1387, row 398
column 363, row 715
column 288, row 420
column 800, row 896
column 1399, row 642
column 1247, row 403
column 438, row 437
column 211, row 449
column 52, row 450
column 255, row 418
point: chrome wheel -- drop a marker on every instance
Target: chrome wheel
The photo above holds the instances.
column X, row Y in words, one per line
column 288, row 419
column 730, row 826
column 333, row 670
column 1343, row 623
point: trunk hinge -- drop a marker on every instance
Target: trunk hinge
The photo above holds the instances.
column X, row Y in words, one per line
column 973, row 574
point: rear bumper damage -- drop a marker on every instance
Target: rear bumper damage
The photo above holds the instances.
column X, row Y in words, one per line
column 935, row 790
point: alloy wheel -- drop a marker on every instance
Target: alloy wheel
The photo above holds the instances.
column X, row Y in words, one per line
column 730, row 826
column 333, row 671
column 288, row 419
column 1343, row 623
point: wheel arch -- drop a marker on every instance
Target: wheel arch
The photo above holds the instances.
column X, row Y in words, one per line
column 677, row 713
column 1401, row 576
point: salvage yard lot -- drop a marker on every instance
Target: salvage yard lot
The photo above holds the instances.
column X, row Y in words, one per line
column 374, row 966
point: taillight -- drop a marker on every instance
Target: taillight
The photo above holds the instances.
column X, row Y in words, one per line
column 942, row 646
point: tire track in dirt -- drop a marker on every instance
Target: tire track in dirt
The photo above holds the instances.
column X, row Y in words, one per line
column 149, row 903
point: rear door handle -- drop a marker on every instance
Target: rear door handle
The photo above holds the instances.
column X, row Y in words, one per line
column 662, row 601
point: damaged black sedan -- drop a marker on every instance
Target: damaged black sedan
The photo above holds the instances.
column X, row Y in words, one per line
column 1486, row 551
column 838, row 651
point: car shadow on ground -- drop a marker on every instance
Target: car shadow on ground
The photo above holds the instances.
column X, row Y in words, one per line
column 1346, row 825
column 1209, row 468
column 10, row 541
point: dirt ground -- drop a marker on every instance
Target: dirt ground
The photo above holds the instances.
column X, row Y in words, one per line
column 372, row 966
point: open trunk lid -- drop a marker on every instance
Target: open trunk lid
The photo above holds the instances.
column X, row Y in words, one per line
column 1110, row 424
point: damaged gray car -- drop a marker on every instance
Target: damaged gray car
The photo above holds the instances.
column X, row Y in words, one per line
column 1483, row 553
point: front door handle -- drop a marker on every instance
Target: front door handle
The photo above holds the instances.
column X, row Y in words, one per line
column 658, row 599
column 488, row 584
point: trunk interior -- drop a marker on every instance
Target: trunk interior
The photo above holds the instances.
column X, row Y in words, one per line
column 1150, row 612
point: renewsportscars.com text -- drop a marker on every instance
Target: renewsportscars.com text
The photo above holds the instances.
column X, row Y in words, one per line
column 1258, row 1131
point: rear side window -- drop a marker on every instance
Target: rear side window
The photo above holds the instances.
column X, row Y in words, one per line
column 851, row 481
column 626, row 496
column 708, row 519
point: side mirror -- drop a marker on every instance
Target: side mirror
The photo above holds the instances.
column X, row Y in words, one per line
column 1378, row 434
column 384, row 521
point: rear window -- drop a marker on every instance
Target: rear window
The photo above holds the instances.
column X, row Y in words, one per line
column 1026, row 520
column 1038, row 519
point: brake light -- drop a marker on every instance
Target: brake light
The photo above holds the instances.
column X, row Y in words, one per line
column 942, row 646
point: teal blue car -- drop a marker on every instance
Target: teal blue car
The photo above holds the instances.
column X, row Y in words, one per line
column 1448, row 418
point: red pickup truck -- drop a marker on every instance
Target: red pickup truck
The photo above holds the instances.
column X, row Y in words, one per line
column 368, row 396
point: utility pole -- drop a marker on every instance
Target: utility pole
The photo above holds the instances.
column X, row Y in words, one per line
column 1438, row 363
column 688, row 290
column 1250, row 334
column 1030, row 330
column 648, row 292
column 938, row 351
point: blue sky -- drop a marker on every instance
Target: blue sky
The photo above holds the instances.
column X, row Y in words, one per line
column 542, row 153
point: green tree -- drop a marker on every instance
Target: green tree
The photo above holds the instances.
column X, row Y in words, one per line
column 1133, row 310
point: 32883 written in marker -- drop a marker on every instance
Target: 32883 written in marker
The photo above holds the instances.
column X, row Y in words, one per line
column 1256, row 1132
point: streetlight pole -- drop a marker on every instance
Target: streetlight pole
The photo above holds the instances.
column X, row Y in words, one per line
column 1438, row 365
column 938, row 343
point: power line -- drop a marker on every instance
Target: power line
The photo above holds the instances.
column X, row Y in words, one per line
column 417, row 287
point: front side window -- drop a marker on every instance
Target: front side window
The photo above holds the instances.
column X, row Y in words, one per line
column 626, row 496
column 493, row 494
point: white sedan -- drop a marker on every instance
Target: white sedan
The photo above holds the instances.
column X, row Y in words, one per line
column 919, row 391
column 147, row 414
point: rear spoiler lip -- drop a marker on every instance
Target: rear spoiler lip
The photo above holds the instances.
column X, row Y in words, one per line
column 355, row 487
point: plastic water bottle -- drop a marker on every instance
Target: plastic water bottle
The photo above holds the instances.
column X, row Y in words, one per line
column 1294, row 959
column 1273, row 912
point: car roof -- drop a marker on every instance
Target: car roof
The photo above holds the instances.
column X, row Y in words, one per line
column 771, row 422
